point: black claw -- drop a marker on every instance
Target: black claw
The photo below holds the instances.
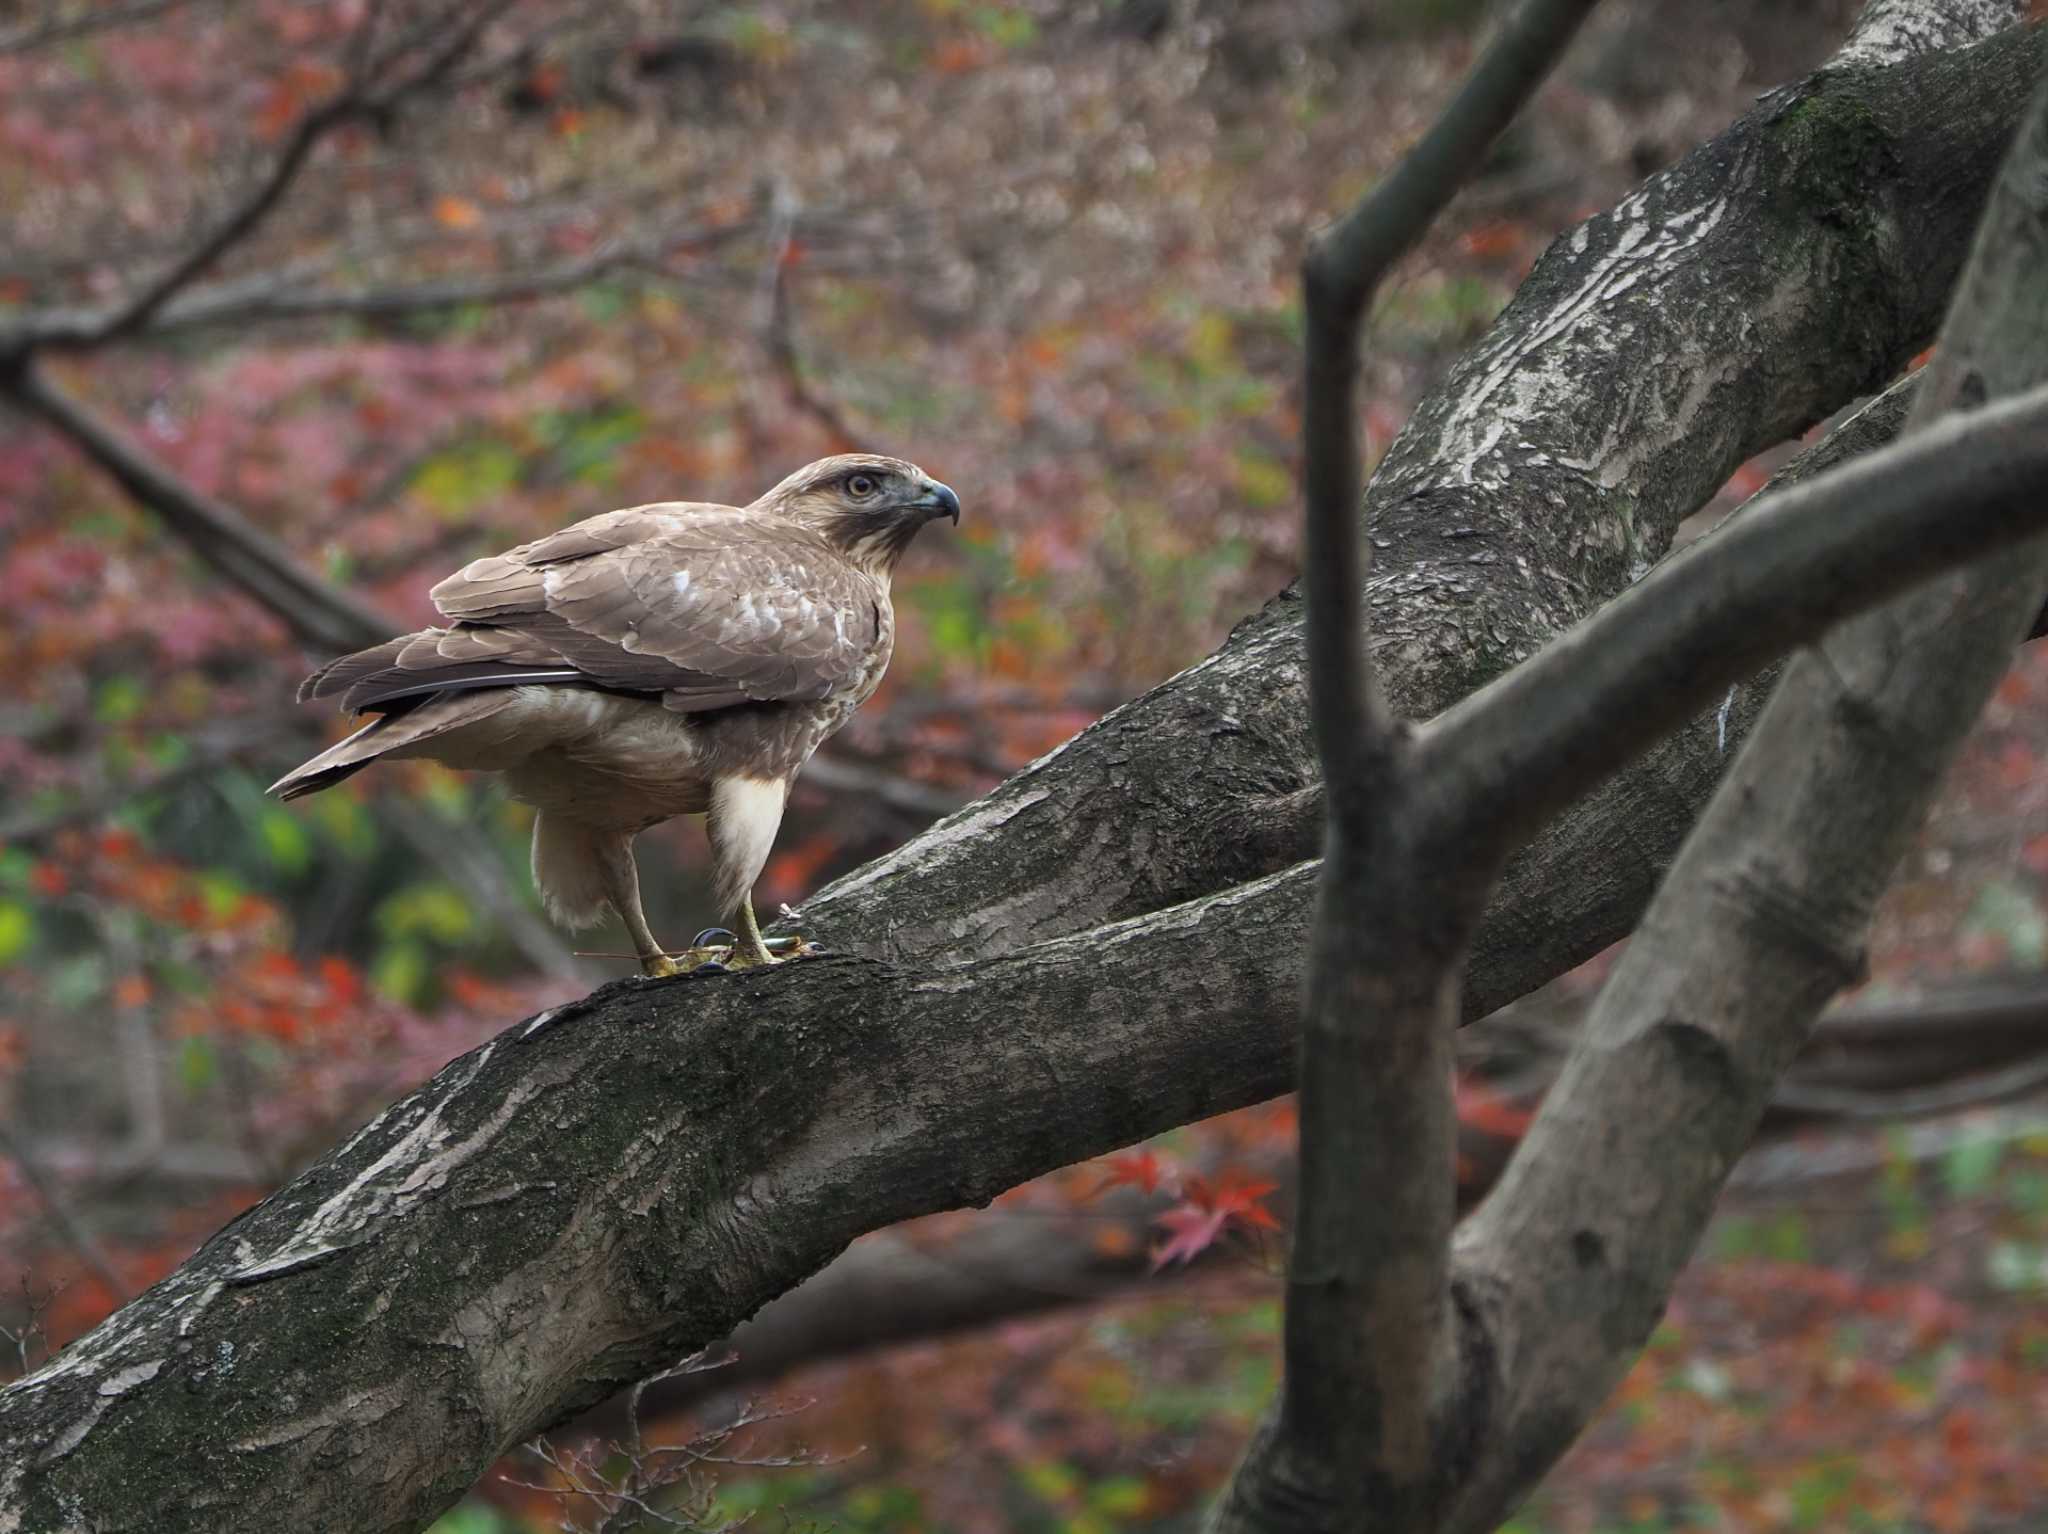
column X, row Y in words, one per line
column 815, row 952
column 709, row 967
column 711, row 935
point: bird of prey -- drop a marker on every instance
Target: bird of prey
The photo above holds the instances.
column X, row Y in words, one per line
column 672, row 659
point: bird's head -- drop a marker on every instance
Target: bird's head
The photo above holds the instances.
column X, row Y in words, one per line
column 868, row 506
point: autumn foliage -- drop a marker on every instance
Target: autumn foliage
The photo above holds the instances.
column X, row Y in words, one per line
column 200, row 989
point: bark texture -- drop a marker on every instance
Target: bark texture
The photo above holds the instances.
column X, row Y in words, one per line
column 1763, row 917
column 1773, row 275
column 603, row 1190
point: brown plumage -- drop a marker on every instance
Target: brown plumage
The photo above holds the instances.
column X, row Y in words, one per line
column 678, row 658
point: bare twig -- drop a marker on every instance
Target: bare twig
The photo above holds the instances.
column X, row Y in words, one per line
column 235, row 548
column 83, row 22
column 73, row 1230
column 360, row 98
column 777, row 323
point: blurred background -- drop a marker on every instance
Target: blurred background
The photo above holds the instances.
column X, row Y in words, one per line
column 556, row 258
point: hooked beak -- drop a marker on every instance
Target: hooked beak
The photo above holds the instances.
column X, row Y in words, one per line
column 938, row 501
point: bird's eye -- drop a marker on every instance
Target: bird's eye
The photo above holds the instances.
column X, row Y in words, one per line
column 861, row 486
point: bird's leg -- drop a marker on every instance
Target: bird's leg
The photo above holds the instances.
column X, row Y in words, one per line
column 750, row 949
column 740, row 824
column 622, row 888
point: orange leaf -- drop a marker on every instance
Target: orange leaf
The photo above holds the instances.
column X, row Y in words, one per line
column 452, row 212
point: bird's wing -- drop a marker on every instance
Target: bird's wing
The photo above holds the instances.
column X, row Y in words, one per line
column 707, row 605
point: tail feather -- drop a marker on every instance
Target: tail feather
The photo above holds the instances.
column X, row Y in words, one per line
column 338, row 675
column 343, row 759
column 399, row 733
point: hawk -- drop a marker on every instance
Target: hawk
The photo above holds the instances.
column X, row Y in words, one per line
column 674, row 659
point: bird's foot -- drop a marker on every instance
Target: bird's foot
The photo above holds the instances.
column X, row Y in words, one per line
column 719, row 948
column 660, row 966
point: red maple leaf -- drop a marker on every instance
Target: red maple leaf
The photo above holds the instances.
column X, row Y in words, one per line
column 1143, row 1170
column 1194, row 1230
column 1200, row 1219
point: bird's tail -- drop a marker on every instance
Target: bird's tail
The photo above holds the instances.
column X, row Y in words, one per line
column 399, row 733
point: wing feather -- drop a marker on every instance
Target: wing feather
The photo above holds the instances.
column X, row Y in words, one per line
column 709, row 606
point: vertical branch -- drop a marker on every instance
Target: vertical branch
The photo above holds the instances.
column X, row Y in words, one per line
column 1760, row 920
column 1354, row 1441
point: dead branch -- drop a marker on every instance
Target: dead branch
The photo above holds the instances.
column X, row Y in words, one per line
column 235, row 548
column 83, row 21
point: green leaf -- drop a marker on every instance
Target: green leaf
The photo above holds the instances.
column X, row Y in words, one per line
column 461, row 478
column 342, row 820
column 1970, row 1165
column 1120, row 1496
column 2004, row 910
column 587, row 446
column 428, row 910
column 119, row 699
column 1050, row 1480
column 221, row 891
column 1264, row 482
column 285, row 840
column 198, row 1065
column 76, row 983
column 15, row 867
column 17, row 930
column 401, row 972
column 2016, row 1267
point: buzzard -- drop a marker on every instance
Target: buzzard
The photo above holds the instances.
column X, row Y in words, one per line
column 673, row 659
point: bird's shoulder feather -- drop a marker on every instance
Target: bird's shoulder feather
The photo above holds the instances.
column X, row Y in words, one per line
column 708, row 605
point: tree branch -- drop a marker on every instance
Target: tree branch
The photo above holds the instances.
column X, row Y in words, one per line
column 1761, row 918
column 1893, row 31
column 236, row 549
column 675, row 1153
column 97, row 16
column 1537, row 481
column 1350, row 1444
column 356, row 101
column 1780, row 573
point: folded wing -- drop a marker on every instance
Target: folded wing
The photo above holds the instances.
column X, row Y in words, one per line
column 708, row 606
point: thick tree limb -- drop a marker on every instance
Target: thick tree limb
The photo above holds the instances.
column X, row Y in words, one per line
column 1892, row 31
column 616, row 1184
column 1762, row 918
column 1795, row 563
column 667, row 1174
column 1796, row 261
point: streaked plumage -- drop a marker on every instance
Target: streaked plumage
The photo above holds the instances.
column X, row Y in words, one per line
column 678, row 658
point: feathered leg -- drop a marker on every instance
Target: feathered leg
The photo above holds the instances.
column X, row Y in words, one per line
column 621, row 878
column 741, row 823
